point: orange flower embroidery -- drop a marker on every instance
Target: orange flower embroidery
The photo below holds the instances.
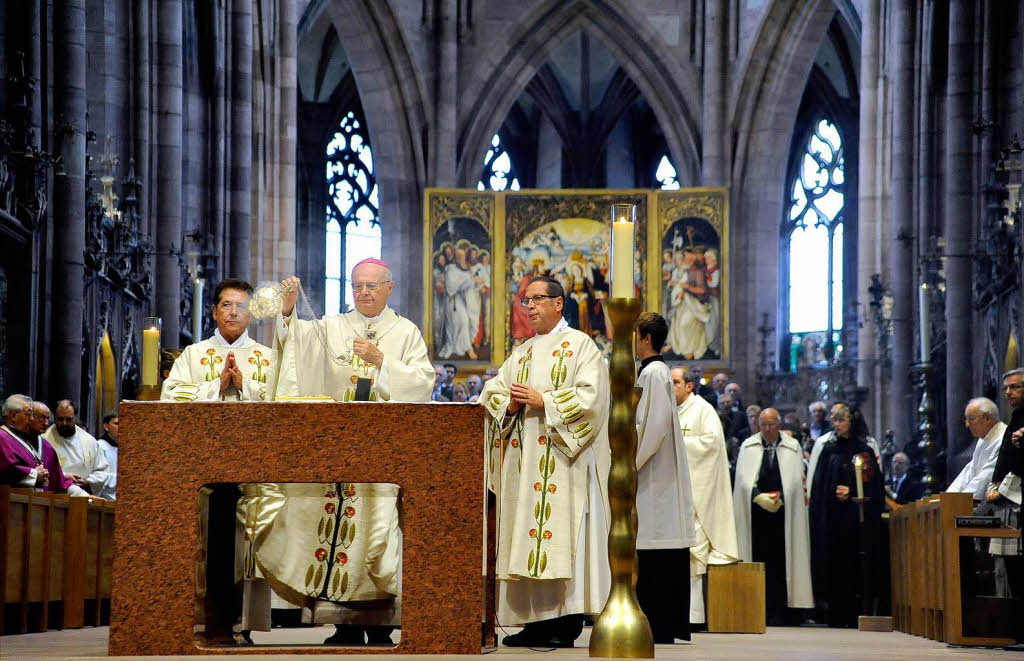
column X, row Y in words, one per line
column 329, row 508
column 536, row 486
column 565, row 345
column 350, row 512
column 341, row 559
column 533, row 532
column 320, row 554
column 547, row 534
column 552, row 488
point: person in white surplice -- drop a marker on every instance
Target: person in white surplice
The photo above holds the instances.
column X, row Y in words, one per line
column 981, row 416
column 549, row 460
column 664, row 501
column 370, row 353
column 772, row 523
column 708, row 458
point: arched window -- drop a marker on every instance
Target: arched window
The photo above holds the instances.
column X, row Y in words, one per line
column 499, row 173
column 666, row 174
column 353, row 201
column 812, row 237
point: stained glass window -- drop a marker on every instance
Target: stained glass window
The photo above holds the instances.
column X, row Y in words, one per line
column 666, row 174
column 499, row 173
column 353, row 202
column 813, row 242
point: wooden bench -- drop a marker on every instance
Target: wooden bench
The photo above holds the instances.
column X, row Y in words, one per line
column 56, row 554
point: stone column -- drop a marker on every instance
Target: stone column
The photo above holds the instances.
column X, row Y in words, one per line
column 69, row 106
column 141, row 107
column 714, row 159
column 447, row 93
column 957, row 226
column 240, row 92
column 168, row 166
column 287, row 85
column 868, row 240
column 901, row 250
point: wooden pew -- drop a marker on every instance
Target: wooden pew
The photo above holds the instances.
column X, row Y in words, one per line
column 55, row 553
column 925, row 568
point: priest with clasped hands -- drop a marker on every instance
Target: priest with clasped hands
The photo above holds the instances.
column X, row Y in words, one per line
column 351, row 578
column 548, row 464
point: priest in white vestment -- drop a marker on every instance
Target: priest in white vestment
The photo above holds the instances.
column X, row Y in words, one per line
column 708, row 459
column 664, row 500
column 981, row 416
column 370, row 353
column 230, row 366
column 772, row 524
column 81, row 457
column 549, row 459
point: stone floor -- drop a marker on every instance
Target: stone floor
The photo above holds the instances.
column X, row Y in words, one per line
column 791, row 644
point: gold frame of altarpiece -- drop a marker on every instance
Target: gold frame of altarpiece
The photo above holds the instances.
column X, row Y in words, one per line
column 509, row 217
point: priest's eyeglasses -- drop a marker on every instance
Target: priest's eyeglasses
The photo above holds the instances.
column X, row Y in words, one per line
column 368, row 286
column 535, row 299
column 226, row 306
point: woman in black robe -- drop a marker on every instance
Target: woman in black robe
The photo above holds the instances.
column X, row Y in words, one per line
column 843, row 577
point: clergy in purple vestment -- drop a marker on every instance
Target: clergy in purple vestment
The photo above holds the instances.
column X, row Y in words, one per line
column 26, row 459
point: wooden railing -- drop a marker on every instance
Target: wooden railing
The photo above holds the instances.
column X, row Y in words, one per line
column 56, row 554
column 927, row 599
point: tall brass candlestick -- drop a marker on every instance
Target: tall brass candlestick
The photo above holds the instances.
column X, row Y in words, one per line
column 622, row 630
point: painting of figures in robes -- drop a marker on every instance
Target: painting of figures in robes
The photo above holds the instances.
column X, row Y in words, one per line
column 693, row 270
column 566, row 237
column 460, row 278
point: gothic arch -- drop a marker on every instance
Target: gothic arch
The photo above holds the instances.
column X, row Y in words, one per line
column 764, row 109
column 391, row 92
column 664, row 83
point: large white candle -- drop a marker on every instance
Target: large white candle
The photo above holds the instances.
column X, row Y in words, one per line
column 150, row 355
column 858, row 466
column 925, row 322
column 622, row 258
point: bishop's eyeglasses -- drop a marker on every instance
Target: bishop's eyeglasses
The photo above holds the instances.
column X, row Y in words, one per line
column 368, row 286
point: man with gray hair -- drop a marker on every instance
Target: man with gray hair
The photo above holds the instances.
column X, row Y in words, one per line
column 26, row 459
column 982, row 417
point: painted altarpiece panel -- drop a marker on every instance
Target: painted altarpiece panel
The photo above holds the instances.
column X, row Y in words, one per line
column 459, row 232
column 693, row 273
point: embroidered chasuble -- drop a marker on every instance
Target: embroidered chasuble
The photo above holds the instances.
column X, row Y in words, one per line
column 337, row 548
column 195, row 375
column 307, row 369
column 549, row 470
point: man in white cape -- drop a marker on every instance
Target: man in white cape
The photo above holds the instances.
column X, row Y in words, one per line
column 353, row 578
column 772, row 524
column 230, row 366
column 549, row 460
column 81, row 457
column 981, row 416
column 708, row 458
column 664, row 501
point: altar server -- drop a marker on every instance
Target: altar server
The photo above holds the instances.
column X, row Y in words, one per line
column 708, row 459
column 664, row 501
column 550, row 460
column 353, row 579
column 771, row 516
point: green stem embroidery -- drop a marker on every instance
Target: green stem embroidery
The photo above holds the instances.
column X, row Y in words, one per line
column 538, row 560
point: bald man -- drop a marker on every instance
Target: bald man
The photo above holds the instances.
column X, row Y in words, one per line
column 772, row 524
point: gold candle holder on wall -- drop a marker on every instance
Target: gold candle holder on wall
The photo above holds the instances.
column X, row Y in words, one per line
column 622, row 630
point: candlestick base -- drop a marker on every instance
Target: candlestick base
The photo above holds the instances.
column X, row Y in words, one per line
column 148, row 393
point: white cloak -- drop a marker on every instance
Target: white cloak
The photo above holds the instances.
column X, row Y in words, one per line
column 794, row 498
column 549, row 469
column 664, row 499
column 709, row 476
column 819, row 444
column 977, row 474
column 82, row 455
column 109, row 490
column 195, row 374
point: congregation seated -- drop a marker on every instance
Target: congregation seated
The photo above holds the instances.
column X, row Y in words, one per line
column 904, row 487
column 81, row 457
column 27, row 459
